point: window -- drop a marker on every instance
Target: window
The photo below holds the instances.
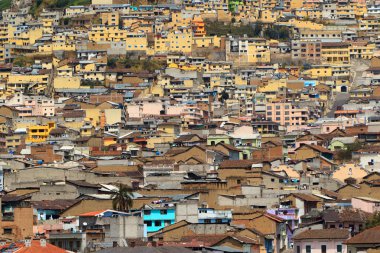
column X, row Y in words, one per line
column 339, row 248
column 207, row 221
column 308, row 249
column 298, row 249
column 157, row 223
column 148, row 223
column 163, row 211
column 147, row 212
column 323, row 249
column 7, row 231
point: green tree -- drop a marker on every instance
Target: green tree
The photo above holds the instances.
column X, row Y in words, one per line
column 22, row 61
column 122, row 198
column 374, row 221
column 111, row 62
column 346, row 154
column 224, row 96
column 257, row 29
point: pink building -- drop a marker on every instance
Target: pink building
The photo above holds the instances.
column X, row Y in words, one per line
column 330, row 125
column 32, row 105
column 369, row 205
column 321, row 241
column 287, row 115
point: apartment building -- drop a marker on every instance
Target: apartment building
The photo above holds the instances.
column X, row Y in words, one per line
column 174, row 41
column 247, row 50
column 336, row 52
column 306, row 50
column 286, row 114
column 320, row 35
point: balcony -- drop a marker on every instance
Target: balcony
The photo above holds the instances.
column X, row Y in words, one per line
column 8, row 218
column 215, row 215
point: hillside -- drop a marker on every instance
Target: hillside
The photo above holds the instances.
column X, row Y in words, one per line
column 5, row 4
column 38, row 5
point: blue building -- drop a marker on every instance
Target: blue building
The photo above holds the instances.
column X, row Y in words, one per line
column 210, row 215
column 158, row 217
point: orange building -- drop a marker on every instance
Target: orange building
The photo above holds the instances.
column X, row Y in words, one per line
column 198, row 26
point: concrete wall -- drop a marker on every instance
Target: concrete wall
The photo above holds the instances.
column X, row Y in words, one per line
column 34, row 177
column 187, row 210
column 123, row 227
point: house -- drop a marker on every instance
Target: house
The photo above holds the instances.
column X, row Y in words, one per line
column 156, row 218
column 341, row 143
column 366, row 204
column 306, row 151
column 30, row 245
column 321, row 241
column 236, row 243
column 17, row 217
column 366, row 241
column 302, row 201
column 346, row 171
column 347, row 218
column 276, row 232
column 176, row 231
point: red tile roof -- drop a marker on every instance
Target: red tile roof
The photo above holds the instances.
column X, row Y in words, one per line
column 35, row 248
column 368, row 236
column 91, row 214
column 332, row 233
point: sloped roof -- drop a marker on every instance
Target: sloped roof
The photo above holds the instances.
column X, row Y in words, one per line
column 368, row 236
column 332, row 233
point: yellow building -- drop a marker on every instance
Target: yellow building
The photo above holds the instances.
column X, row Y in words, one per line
column 47, row 24
column 110, row 18
column 18, row 82
column 174, row 41
column 370, row 25
column 56, row 46
column 293, row 4
column 87, row 129
column 4, row 33
column 63, row 82
column 318, row 72
column 360, row 9
column 305, row 24
column 248, row 51
column 345, row 11
column 207, row 41
column 269, row 16
column 134, row 41
column 258, row 51
column 271, row 89
column 362, row 50
column 37, row 134
column 309, row 13
column 336, row 52
column 25, row 38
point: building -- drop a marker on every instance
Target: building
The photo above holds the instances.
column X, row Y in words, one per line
column 321, row 240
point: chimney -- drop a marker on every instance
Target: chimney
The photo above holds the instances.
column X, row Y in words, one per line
column 43, row 242
column 28, row 241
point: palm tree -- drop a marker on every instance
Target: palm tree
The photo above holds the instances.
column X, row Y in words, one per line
column 122, row 198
